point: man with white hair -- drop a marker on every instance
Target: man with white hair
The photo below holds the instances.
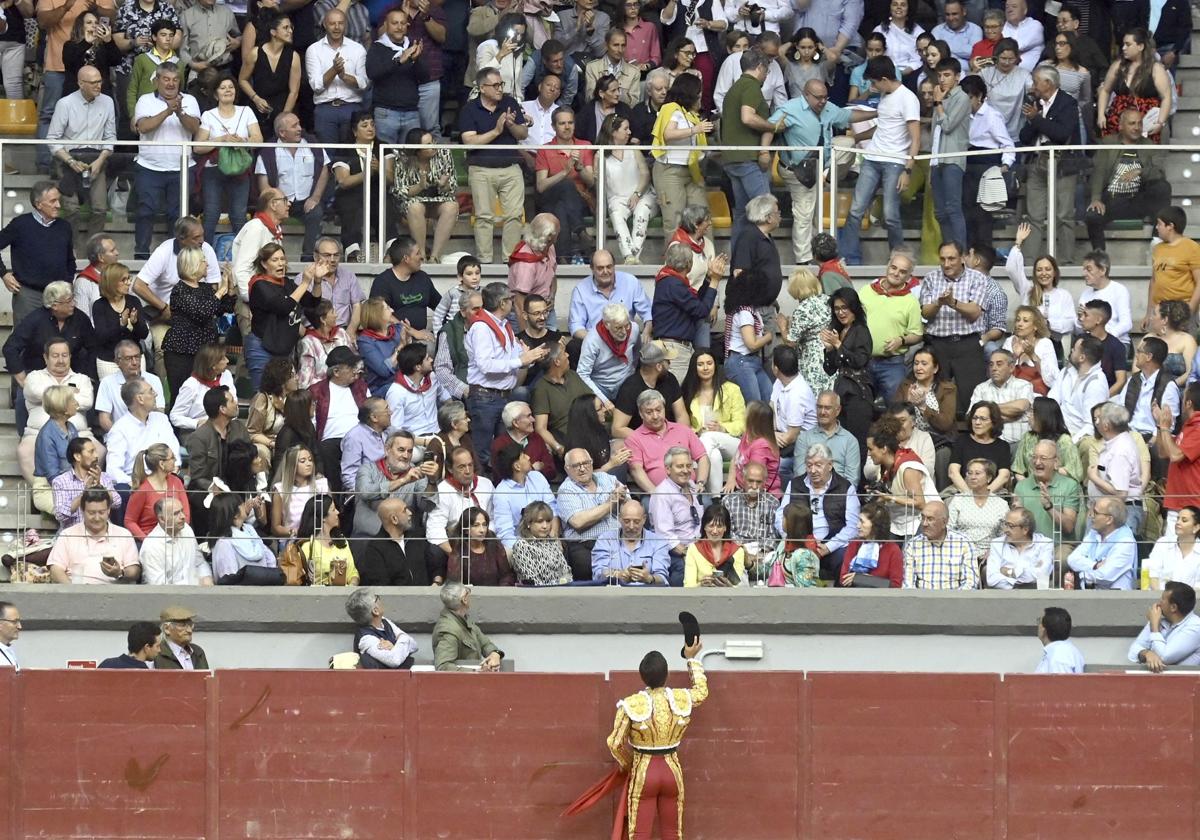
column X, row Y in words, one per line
column 1107, row 557
column 675, row 509
column 379, row 642
column 301, row 172
column 1117, row 472
column 532, row 268
column 937, row 558
column 170, row 554
column 829, row 433
column 1052, row 119
column 519, row 428
column 603, row 286
column 608, row 355
column 649, row 443
column 833, row 502
column 456, row 636
column 1028, row 33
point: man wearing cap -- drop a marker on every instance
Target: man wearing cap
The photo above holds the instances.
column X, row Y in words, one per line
column 144, row 645
column 336, row 401
column 178, row 623
column 653, row 373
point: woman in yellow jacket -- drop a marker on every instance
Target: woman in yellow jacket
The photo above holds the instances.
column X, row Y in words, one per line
column 717, row 411
column 715, row 559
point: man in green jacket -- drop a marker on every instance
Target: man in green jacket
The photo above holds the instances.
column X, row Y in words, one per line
column 456, row 637
column 1127, row 180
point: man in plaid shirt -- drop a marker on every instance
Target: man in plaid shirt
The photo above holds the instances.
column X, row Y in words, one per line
column 953, row 299
column 938, row 558
column 752, row 512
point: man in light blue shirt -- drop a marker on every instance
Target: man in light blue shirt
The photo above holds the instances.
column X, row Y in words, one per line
column 635, row 555
column 958, row 32
column 1172, row 632
column 608, row 355
column 522, row 485
column 1107, row 557
column 809, row 120
column 1059, row 654
column 603, row 286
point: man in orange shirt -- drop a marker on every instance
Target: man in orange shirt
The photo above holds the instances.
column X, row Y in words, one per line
column 57, row 18
column 564, row 183
column 1176, row 263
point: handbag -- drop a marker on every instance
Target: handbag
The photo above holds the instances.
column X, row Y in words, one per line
column 294, row 566
column 993, row 192
column 777, row 576
column 806, row 172
column 233, row 160
column 1033, row 376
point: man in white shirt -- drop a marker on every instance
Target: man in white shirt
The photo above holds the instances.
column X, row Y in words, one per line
column 460, row 489
column 337, row 73
column 1021, row 558
column 165, row 115
column 169, row 553
column 1026, row 31
column 1148, row 387
column 1081, row 386
column 1059, row 654
column 86, row 122
column 1012, row 394
column 109, row 406
column 497, row 361
column 959, row 33
column 10, row 631
column 774, row 88
column 101, row 251
column 889, row 159
column 794, row 405
column 139, row 428
column 1117, row 471
column 300, row 172
column 1172, row 632
column 1099, row 286
column 539, row 112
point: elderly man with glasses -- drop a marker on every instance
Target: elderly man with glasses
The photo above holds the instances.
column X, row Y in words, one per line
column 10, row 631
column 1021, row 558
column 341, row 286
column 1107, row 557
column 834, row 503
column 675, row 509
column 588, row 502
column 608, row 355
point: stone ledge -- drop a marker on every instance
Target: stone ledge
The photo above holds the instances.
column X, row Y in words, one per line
column 598, row 610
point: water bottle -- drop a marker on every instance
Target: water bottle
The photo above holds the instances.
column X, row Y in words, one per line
column 85, row 181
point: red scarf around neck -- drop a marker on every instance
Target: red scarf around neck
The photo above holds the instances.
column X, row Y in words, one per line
column 390, row 335
column 91, row 272
column 667, row 271
column 904, row 455
column 470, row 492
column 265, row 278
column 402, row 381
column 208, row 383
column 728, row 549
column 883, row 291
column 505, row 336
column 681, row 235
column 619, row 349
column 383, row 468
column 523, row 253
column 834, row 265
column 274, row 227
column 324, row 339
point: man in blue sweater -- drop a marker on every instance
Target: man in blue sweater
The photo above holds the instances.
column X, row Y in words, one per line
column 40, row 246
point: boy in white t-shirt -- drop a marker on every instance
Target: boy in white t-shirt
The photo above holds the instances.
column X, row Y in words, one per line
column 888, row 161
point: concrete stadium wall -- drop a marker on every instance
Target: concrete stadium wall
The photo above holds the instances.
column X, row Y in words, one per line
column 573, row 629
column 771, row 756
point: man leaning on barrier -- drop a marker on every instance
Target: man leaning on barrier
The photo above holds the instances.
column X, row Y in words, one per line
column 456, row 636
column 1172, row 632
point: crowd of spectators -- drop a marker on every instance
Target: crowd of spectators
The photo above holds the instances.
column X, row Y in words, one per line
column 905, row 433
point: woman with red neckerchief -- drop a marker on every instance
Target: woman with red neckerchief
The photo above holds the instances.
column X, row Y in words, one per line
column 276, row 304
column 379, row 341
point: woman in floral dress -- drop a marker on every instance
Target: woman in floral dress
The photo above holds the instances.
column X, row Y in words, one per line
column 804, row 330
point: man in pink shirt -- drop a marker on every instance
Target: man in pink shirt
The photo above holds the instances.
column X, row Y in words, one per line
column 564, row 183
column 95, row 550
column 648, row 444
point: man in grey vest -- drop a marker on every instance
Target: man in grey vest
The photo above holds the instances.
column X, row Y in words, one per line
column 834, row 504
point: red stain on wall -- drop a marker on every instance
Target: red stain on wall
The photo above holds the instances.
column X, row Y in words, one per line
column 288, row 755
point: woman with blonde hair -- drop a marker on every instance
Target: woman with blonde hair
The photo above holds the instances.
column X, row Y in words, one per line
column 195, row 307
column 50, row 449
column 116, row 316
column 1032, row 349
column 210, row 369
column 537, row 557
column 154, row 478
column 380, row 340
column 296, row 481
column 804, row 328
column 1055, row 304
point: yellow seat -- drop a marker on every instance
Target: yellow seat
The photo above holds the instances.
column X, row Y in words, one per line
column 18, row 117
column 844, row 199
column 718, row 209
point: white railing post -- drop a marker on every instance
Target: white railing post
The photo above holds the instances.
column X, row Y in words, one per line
column 833, row 195
column 1052, row 202
column 381, row 230
column 820, row 185
column 601, row 202
column 185, row 153
column 366, row 228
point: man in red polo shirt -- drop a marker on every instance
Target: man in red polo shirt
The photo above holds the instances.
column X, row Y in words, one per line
column 1183, row 452
column 564, row 183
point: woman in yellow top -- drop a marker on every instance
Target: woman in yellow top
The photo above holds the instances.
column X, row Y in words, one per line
column 676, row 170
column 716, row 411
column 323, row 545
column 715, row 560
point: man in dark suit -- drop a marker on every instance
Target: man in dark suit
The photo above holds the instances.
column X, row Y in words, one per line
column 1051, row 119
column 178, row 652
column 1127, row 179
column 144, row 646
column 396, row 556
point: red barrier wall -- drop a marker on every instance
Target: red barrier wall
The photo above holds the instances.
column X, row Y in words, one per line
column 286, row 755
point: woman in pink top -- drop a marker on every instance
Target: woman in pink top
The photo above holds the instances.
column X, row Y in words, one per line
column 757, row 444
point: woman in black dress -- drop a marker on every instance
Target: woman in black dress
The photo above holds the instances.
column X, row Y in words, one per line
column 985, row 423
column 195, row 307
column 116, row 316
column 847, row 343
column 270, row 77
